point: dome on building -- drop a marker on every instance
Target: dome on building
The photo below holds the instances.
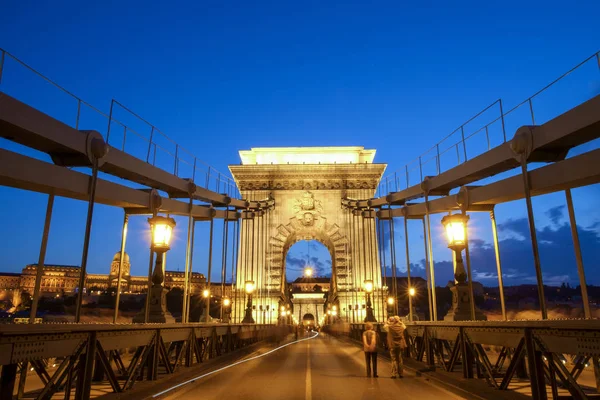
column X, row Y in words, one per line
column 117, row 257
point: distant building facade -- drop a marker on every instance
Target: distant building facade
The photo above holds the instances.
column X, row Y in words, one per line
column 64, row 279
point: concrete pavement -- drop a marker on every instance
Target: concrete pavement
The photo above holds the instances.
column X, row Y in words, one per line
column 315, row 369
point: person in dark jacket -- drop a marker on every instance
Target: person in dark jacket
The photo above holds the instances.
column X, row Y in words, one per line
column 369, row 339
column 396, row 343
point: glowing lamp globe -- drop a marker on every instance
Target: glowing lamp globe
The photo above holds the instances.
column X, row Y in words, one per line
column 308, row 272
column 412, row 291
column 369, row 286
column 162, row 231
column 226, row 302
column 249, row 287
column 456, row 228
column 390, row 301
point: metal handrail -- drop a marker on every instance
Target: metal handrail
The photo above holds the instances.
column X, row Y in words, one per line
column 393, row 175
column 222, row 179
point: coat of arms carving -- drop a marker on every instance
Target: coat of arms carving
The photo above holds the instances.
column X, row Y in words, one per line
column 307, row 208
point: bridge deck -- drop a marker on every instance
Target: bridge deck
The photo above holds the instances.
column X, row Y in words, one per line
column 319, row 368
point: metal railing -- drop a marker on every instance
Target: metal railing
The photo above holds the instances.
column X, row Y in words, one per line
column 392, row 181
column 556, row 357
column 201, row 173
column 71, row 360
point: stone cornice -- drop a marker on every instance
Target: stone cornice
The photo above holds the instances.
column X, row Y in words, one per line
column 307, row 177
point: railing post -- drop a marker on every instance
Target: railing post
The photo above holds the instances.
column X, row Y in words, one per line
column 150, row 145
column 194, row 171
column 420, row 169
column 407, row 180
column 462, row 134
column 124, row 138
column 175, row 168
column 502, row 119
column 207, row 178
column 78, row 114
column 487, row 136
column 112, row 102
column 531, row 111
column 2, row 64
column 437, row 146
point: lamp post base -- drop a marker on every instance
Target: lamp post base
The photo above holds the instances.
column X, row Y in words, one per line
column 248, row 317
column 461, row 305
column 158, row 312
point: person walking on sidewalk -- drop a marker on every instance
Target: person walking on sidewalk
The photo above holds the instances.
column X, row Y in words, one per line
column 369, row 339
column 396, row 343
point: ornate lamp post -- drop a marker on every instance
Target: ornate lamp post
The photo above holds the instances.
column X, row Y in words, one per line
column 162, row 231
column 226, row 309
column 456, row 226
column 390, row 306
column 368, row 290
column 248, row 319
column 411, row 293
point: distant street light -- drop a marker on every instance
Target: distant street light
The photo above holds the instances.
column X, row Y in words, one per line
column 248, row 318
column 162, row 231
column 390, row 306
column 308, row 271
column 205, row 293
column 369, row 289
column 456, row 231
column 226, row 309
column 412, row 292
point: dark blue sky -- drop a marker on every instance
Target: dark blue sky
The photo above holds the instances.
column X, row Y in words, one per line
column 219, row 77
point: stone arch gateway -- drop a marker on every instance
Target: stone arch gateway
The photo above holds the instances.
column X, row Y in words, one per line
column 307, row 185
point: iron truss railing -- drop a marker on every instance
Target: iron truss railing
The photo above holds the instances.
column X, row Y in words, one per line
column 49, row 361
column 179, row 161
column 549, row 356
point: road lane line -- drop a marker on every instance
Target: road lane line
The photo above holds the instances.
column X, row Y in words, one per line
column 308, row 395
column 229, row 366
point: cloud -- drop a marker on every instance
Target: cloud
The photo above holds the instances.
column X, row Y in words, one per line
column 297, row 264
column 555, row 214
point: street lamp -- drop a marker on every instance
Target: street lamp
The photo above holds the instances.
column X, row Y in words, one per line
column 411, row 293
column 390, row 306
column 456, row 231
column 308, row 271
column 369, row 289
column 156, row 311
column 226, row 309
column 248, row 319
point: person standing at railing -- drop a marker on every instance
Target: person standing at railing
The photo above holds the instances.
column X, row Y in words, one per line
column 396, row 343
column 369, row 339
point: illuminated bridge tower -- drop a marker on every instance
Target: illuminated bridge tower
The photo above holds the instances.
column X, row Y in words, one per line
column 307, row 184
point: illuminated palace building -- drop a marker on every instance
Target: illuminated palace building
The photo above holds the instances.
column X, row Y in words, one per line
column 63, row 279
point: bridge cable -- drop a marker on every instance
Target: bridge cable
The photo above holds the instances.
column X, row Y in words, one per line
column 224, row 256
column 382, row 260
column 410, row 305
column 210, row 249
column 393, row 255
column 234, row 263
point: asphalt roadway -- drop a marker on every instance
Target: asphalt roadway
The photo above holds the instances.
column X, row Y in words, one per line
column 316, row 368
